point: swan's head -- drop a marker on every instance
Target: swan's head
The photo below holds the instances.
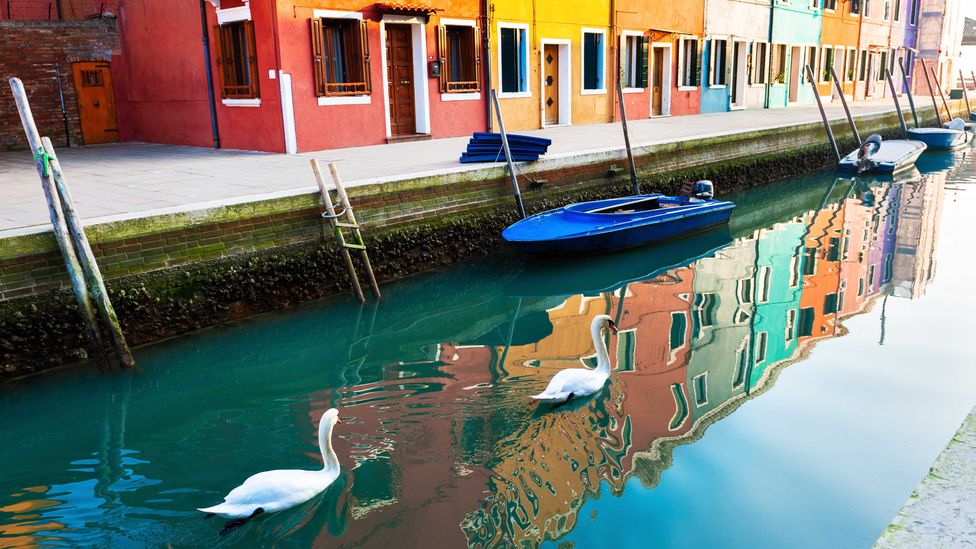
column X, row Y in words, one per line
column 604, row 321
column 330, row 417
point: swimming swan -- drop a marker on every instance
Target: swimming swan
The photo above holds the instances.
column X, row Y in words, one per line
column 273, row 491
column 574, row 382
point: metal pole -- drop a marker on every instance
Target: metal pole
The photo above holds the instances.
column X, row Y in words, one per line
column 847, row 110
column 925, row 71
column 64, row 111
column 816, row 94
column 894, row 96
column 965, row 93
column 210, row 84
column 508, row 155
column 908, row 89
column 942, row 95
column 634, row 185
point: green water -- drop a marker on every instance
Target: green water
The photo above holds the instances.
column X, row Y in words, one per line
column 786, row 382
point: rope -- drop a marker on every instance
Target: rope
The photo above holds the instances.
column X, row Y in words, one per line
column 45, row 161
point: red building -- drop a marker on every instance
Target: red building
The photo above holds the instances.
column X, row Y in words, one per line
column 294, row 77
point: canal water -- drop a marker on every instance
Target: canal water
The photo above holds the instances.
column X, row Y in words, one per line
column 784, row 382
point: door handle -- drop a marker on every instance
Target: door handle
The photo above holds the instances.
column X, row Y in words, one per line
column 404, row 81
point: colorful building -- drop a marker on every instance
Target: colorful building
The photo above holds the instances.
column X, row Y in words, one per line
column 795, row 37
column 904, row 36
column 940, row 31
column 737, row 59
column 839, row 47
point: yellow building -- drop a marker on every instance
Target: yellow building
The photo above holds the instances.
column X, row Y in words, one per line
column 551, row 61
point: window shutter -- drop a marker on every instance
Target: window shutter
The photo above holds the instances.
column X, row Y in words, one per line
column 364, row 49
column 318, row 57
column 642, row 67
column 219, row 48
column 476, row 52
column 442, row 55
column 252, row 59
column 698, row 68
column 729, row 51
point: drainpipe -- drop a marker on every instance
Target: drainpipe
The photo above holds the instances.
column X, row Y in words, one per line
column 486, row 59
column 207, row 69
column 612, row 48
column 769, row 66
column 58, row 6
column 278, row 71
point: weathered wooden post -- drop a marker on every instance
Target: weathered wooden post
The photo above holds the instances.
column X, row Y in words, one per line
column 333, row 218
column 945, row 103
column 88, row 262
column 908, row 89
column 634, row 184
column 353, row 224
column 843, row 101
column 965, row 94
column 59, row 227
column 894, row 96
column 823, row 114
column 925, row 71
column 508, row 155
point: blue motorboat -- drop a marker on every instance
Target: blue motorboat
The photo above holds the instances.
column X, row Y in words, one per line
column 888, row 156
column 951, row 136
column 618, row 223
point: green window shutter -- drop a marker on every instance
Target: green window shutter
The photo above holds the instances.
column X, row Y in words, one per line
column 698, row 64
column 642, row 67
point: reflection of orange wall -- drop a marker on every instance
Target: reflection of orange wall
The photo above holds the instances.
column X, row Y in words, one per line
column 826, row 224
column 854, row 264
column 840, row 28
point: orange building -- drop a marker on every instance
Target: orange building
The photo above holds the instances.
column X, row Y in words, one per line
column 821, row 273
column 839, row 35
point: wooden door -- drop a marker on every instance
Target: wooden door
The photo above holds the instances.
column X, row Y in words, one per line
column 657, row 81
column 551, row 101
column 399, row 73
column 96, row 102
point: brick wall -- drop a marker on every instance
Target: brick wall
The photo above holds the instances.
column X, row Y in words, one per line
column 35, row 52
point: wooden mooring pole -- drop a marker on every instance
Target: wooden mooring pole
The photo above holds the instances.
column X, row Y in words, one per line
column 823, row 114
column 945, row 103
column 58, row 224
column 847, row 110
column 508, row 155
column 965, row 94
column 908, row 89
column 894, row 96
column 928, row 82
column 634, row 184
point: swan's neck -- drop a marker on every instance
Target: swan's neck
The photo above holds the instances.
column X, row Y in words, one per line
column 329, row 459
column 602, row 356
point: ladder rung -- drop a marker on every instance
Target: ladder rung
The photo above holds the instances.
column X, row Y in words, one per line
column 354, row 246
column 347, row 225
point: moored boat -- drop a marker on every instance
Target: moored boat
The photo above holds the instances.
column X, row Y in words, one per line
column 950, row 137
column 618, row 223
column 892, row 156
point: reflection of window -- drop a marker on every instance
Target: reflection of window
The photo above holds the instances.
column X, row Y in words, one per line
column 594, row 55
column 833, row 251
column 635, row 61
column 745, row 289
column 870, row 275
column 794, row 271
column 806, row 321
column 717, row 62
column 237, row 63
column 461, row 58
column 809, row 261
column 680, row 407
column 741, row 361
column 679, row 326
column 514, row 59
column 700, row 383
column 765, row 273
column 830, row 304
column 761, row 339
column 741, row 316
column 860, row 286
column 340, row 57
column 790, row 325
column 887, row 268
column 626, row 350
column 705, row 306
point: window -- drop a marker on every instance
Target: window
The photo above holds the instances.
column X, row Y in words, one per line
column 634, row 62
column 811, row 61
column 887, row 10
column 830, row 304
column 913, row 16
column 761, row 340
column 884, row 63
column 826, row 61
column 790, row 325
column 700, row 383
column 718, row 62
column 514, row 59
column 460, row 58
column 830, row 5
column 340, row 57
column 851, row 70
column 863, row 77
column 868, row 4
column 758, row 75
column 806, row 322
column 679, row 326
column 778, row 62
column 855, row 7
column 897, row 10
column 594, row 55
column 688, row 62
column 814, row 4
column 237, row 63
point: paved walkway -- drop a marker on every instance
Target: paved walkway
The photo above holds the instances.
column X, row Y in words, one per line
column 137, row 179
column 942, row 510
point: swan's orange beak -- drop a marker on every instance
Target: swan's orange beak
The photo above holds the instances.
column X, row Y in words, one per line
column 338, row 420
column 613, row 326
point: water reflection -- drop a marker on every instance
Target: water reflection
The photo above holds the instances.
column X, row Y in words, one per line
column 440, row 445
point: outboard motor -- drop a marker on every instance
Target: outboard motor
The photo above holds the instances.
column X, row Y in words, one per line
column 704, row 190
column 868, row 148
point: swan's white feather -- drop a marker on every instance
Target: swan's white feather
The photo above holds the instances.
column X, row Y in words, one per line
column 273, row 491
column 577, row 382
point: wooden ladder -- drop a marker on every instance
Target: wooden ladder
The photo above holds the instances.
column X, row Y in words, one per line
column 349, row 224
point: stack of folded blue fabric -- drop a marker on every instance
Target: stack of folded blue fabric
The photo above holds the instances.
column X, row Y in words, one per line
column 487, row 147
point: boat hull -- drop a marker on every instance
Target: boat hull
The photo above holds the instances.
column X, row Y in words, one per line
column 939, row 138
column 893, row 156
column 573, row 230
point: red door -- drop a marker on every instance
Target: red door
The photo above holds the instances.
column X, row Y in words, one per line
column 399, row 74
column 96, row 102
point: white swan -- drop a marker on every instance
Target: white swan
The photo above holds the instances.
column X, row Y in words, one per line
column 273, row 491
column 574, row 382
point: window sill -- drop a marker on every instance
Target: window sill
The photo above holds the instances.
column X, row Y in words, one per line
column 256, row 102
column 717, row 87
column 594, row 92
column 687, row 88
column 514, row 95
column 760, row 85
column 633, row 90
column 466, row 96
column 326, row 101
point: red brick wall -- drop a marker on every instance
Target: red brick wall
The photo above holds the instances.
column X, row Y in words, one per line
column 24, row 10
column 29, row 50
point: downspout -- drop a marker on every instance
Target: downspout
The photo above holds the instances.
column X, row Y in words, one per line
column 209, row 71
column 769, row 66
column 486, row 59
column 612, row 47
column 277, row 68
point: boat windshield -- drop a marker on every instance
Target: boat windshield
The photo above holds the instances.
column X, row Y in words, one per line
column 642, row 205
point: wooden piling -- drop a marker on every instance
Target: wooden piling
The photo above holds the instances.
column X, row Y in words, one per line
column 823, row 114
column 58, row 224
column 351, row 219
column 965, row 94
column 508, row 155
column 87, row 258
column 894, row 96
column 847, row 110
column 330, row 209
column 945, row 103
column 928, row 82
column 908, row 89
column 634, row 184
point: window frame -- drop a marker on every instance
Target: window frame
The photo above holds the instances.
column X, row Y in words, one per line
column 824, row 49
column 850, row 73
column 764, row 70
column 833, row 5
column 524, row 49
column 774, row 81
column 700, row 399
column 443, row 54
column 320, row 88
column 896, row 16
column 642, row 61
column 711, row 61
column 601, row 62
column 696, row 77
column 222, row 35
